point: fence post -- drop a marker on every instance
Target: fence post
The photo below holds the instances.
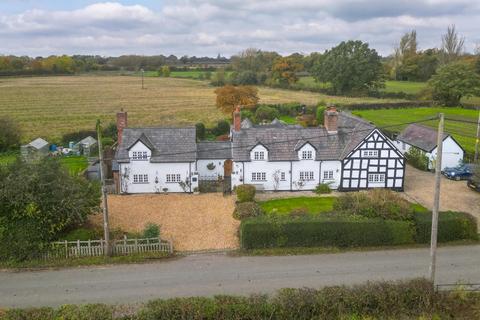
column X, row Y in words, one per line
column 89, row 248
column 66, row 249
column 78, row 248
column 136, row 245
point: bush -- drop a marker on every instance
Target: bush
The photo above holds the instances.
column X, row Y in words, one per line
column 246, row 210
column 323, row 231
column 10, row 134
column 417, row 158
column 245, row 193
column 200, row 131
column 320, row 114
column 151, row 230
column 451, row 226
column 376, row 203
column 82, row 234
column 265, row 113
column 107, row 142
column 323, row 188
column 223, row 127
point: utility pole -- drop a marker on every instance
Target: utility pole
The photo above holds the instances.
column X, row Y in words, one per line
column 475, row 159
column 106, row 230
column 436, row 200
column 143, row 74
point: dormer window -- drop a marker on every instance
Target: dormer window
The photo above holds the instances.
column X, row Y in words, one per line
column 259, row 155
column 307, row 155
column 139, row 155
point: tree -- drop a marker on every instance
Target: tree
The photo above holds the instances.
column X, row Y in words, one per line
column 452, row 45
column 218, row 78
column 164, row 71
column 200, row 131
column 285, row 70
column 406, row 49
column 10, row 134
column 454, row 81
column 350, row 67
column 38, row 201
column 228, row 97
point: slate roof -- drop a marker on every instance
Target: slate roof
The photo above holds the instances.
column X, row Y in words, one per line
column 283, row 141
column 38, row 143
column 167, row 144
column 422, row 137
column 214, row 150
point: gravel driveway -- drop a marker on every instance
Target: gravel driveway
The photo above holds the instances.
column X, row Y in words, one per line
column 192, row 222
column 454, row 195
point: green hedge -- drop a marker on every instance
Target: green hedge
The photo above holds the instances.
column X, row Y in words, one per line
column 451, row 226
column 313, row 232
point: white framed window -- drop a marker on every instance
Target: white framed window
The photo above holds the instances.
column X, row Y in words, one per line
column 140, row 178
column 370, row 153
column 376, row 177
column 259, row 176
column 328, row 175
column 259, row 155
column 173, row 177
column 282, row 176
column 307, row 176
column 307, row 154
column 139, row 155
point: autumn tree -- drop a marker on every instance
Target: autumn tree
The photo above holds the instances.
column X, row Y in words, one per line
column 285, row 70
column 228, row 97
column 452, row 45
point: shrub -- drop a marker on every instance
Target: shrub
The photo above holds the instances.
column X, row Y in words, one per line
column 223, row 127
column 200, row 131
column 417, row 158
column 247, row 114
column 320, row 114
column 323, row 231
column 82, row 234
column 381, row 203
column 246, row 210
column 107, row 142
column 245, row 192
column 323, row 188
column 151, row 230
column 451, row 226
column 10, row 134
column 265, row 113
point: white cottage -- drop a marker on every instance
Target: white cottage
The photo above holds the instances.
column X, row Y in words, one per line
column 348, row 153
column 425, row 139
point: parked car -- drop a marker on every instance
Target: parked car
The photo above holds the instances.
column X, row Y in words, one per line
column 460, row 172
column 474, row 184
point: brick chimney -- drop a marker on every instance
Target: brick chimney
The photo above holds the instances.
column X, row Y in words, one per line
column 330, row 119
column 121, row 124
column 237, row 119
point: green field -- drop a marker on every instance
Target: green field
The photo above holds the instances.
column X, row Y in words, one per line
column 312, row 205
column 408, row 87
column 74, row 164
column 464, row 133
column 52, row 106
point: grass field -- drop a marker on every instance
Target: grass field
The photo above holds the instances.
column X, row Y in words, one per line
column 312, row 205
column 464, row 133
column 51, row 106
column 74, row 164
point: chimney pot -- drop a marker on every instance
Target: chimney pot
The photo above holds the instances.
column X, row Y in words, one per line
column 121, row 124
column 330, row 119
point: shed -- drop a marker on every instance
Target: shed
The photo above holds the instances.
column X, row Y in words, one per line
column 35, row 149
column 425, row 139
column 86, row 146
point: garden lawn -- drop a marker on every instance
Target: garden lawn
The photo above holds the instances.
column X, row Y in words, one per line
column 6, row 158
column 464, row 133
column 74, row 164
column 313, row 205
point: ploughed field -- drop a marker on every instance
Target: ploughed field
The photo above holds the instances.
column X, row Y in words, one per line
column 52, row 106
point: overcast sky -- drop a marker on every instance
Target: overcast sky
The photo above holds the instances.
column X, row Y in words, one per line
column 195, row 27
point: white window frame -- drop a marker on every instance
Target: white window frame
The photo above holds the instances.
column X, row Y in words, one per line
column 139, row 155
column 370, row 153
column 173, row 177
column 282, row 176
column 259, row 176
column 307, row 176
column 140, row 178
column 328, row 175
column 307, row 155
column 376, row 178
column 259, row 155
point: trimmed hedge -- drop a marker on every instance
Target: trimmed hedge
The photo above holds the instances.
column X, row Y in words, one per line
column 451, row 226
column 413, row 299
column 317, row 232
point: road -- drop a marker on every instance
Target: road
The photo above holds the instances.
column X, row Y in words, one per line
column 210, row 274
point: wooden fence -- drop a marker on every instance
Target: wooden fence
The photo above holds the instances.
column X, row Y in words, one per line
column 93, row 248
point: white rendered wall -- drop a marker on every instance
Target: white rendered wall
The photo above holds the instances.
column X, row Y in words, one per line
column 208, row 174
column 452, row 154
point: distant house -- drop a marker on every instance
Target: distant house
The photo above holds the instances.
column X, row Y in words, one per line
column 85, row 146
column 425, row 139
column 36, row 149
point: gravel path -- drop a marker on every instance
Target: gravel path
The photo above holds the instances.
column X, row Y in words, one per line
column 454, row 195
column 192, row 222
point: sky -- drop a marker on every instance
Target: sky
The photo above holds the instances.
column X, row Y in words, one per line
column 226, row 27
